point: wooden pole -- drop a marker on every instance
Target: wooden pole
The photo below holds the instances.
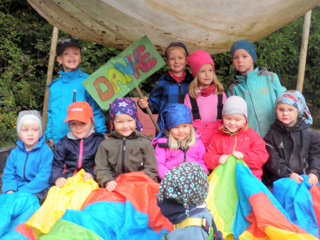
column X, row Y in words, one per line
column 303, row 51
column 148, row 110
column 54, row 41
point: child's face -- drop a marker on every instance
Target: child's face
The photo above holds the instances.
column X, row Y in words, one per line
column 205, row 75
column 124, row 125
column 242, row 61
column 30, row 133
column 234, row 122
column 181, row 131
column 287, row 114
column 176, row 60
column 80, row 129
column 70, row 58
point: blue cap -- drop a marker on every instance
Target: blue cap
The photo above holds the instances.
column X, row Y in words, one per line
column 246, row 45
column 174, row 115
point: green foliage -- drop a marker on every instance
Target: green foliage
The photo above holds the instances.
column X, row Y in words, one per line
column 25, row 39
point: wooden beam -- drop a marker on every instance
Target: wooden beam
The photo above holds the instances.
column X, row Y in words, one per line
column 54, row 41
column 303, row 51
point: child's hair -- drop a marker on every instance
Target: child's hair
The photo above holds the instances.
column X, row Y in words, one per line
column 25, row 117
column 183, row 193
column 186, row 143
column 246, row 45
column 295, row 99
column 176, row 45
column 124, row 106
column 234, row 105
column 80, row 111
column 63, row 43
column 196, row 60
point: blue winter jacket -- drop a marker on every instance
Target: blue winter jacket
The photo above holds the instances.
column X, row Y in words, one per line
column 260, row 89
column 28, row 171
column 167, row 92
column 61, row 96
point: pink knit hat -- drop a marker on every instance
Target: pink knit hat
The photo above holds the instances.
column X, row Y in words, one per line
column 197, row 59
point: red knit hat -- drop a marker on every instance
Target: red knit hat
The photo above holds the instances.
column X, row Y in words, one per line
column 80, row 111
column 197, row 59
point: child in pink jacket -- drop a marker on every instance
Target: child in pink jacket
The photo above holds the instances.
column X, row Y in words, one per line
column 177, row 141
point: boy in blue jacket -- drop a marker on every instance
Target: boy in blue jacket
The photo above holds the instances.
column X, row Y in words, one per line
column 29, row 165
column 61, row 93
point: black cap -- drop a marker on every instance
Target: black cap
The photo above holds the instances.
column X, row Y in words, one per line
column 177, row 44
column 66, row 42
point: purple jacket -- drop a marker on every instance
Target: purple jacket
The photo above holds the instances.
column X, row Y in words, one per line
column 168, row 159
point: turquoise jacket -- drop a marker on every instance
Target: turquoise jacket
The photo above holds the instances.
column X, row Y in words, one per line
column 28, row 171
column 61, row 96
column 260, row 89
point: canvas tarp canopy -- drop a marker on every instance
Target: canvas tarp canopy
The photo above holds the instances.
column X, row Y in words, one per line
column 210, row 25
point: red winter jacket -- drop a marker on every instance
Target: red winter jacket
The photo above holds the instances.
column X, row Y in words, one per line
column 247, row 141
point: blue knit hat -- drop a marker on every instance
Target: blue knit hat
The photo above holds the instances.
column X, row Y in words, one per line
column 174, row 115
column 296, row 99
column 125, row 106
column 246, row 45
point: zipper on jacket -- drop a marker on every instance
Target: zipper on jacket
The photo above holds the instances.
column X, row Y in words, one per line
column 123, row 154
column 79, row 165
column 235, row 142
column 24, row 169
column 184, row 154
column 179, row 97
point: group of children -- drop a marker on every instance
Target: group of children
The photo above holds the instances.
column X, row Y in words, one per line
column 198, row 123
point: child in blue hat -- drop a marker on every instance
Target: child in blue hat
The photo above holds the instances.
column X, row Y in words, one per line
column 177, row 141
column 256, row 85
column 126, row 149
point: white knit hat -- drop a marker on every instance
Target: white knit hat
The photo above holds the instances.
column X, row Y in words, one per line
column 28, row 114
column 233, row 105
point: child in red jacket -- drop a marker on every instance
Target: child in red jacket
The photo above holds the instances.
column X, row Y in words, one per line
column 235, row 137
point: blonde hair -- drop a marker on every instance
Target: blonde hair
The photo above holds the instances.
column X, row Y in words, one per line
column 193, row 87
column 173, row 48
column 186, row 143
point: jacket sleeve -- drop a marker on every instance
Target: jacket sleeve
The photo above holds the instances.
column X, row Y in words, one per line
column 48, row 133
column 314, row 154
column 155, row 99
column 275, row 163
column 278, row 88
column 41, row 180
column 99, row 118
column 103, row 170
column 211, row 156
column 9, row 177
column 161, row 159
column 59, row 156
column 256, row 156
column 150, row 166
column 201, row 150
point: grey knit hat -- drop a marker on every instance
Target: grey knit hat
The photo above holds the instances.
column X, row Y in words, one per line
column 233, row 105
column 28, row 114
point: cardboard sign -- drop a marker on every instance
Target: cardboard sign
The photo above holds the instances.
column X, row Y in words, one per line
column 124, row 72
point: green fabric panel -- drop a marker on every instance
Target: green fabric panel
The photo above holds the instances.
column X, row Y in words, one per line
column 63, row 230
column 226, row 193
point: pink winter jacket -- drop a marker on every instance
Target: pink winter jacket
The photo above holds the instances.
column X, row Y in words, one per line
column 168, row 159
